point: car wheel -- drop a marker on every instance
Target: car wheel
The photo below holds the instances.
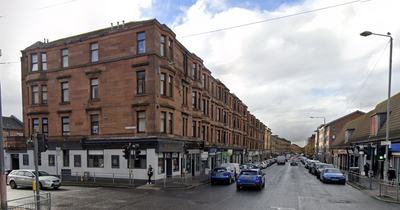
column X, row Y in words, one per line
column 260, row 187
column 344, row 182
column 13, row 185
column 40, row 186
column 237, row 187
column 323, row 179
column 317, row 176
column 56, row 188
column 230, row 181
column 263, row 185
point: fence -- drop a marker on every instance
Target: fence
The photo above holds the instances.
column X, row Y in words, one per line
column 389, row 189
column 41, row 202
column 359, row 179
column 103, row 178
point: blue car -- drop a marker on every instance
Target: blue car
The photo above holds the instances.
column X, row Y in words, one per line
column 250, row 178
column 332, row 175
column 224, row 174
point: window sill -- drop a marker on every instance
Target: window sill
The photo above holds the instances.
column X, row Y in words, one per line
column 140, row 95
column 65, row 103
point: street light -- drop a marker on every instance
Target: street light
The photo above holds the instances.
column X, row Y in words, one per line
column 324, row 151
column 367, row 33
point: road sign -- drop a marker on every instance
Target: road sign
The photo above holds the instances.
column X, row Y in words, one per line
column 58, row 151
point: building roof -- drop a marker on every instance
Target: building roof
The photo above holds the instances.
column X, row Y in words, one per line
column 12, row 123
column 91, row 34
column 362, row 125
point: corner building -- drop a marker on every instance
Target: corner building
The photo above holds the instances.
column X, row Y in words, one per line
column 133, row 83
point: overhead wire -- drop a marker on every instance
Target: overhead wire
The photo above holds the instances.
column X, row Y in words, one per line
column 362, row 86
column 272, row 19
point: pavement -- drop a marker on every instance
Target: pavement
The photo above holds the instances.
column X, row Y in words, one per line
column 372, row 189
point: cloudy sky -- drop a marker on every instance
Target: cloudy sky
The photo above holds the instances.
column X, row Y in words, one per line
column 286, row 60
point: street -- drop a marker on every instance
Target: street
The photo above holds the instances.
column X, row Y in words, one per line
column 287, row 187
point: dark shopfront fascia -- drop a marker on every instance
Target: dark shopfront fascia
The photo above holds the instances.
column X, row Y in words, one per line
column 167, row 151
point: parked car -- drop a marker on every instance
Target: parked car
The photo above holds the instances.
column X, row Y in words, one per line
column 234, row 166
column 311, row 165
column 321, row 167
column 332, row 175
column 250, row 178
column 25, row 178
column 225, row 174
column 293, row 162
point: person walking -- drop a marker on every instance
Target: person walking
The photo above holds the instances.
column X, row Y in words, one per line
column 366, row 169
column 150, row 174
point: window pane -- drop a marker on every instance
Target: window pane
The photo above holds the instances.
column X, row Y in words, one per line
column 34, row 59
column 44, row 61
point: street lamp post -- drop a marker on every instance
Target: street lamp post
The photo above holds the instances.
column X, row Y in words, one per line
column 324, row 143
column 367, row 33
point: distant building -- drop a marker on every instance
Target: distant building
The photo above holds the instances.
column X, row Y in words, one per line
column 13, row 141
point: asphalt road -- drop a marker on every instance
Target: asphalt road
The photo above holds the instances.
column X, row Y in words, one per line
column 287, row 187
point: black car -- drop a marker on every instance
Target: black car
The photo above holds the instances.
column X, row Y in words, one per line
column 293, row 162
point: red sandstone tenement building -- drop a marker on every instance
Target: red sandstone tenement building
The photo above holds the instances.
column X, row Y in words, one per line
column 93, row 93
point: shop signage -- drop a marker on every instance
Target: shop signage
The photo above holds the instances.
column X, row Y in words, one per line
column 342, row 152
column 204, row 156
column 350, row 151
column 130, row 127
column 213, row 150
column 229, row 152
column 169, row 147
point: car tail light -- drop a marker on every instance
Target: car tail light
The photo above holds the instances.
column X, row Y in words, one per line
column 213, row 173
column 258, row 178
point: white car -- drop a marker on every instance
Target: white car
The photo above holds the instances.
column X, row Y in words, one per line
column 25, row 178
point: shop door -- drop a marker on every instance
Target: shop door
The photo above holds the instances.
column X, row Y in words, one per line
column 169, row 167
column 14, row 161
column 193, row 166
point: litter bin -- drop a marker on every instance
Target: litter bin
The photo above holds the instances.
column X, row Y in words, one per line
column 86, row 175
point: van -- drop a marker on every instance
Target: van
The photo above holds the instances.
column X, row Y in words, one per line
column 234, row 166
column 281, row 160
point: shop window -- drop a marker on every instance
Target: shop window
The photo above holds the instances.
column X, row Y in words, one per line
column 25, row 159
column 140, row 161
column 77, row 160
column 161, row 163
column 96, row 159
column 114, row 161
column 175, row 162
column 52, row 160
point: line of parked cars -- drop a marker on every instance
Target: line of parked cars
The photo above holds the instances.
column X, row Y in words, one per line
column 325, row 172
column 247, row 175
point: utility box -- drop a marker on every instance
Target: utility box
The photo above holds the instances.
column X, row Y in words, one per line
column 86, row 175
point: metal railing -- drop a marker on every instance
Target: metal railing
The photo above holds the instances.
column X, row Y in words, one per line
column 103, row 178
column 41, row 202
column 359, row 179
column 389, row 189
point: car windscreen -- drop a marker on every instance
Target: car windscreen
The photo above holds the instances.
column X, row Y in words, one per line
column 42, row 173
column 328, row 166
column 248, row 173
column 220, row 170
column 333, row 171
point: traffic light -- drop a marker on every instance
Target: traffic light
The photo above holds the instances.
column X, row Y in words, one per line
column 43, row 144
column 367, row 152
column 126, row 151
column 137, row 149
column 381, row 152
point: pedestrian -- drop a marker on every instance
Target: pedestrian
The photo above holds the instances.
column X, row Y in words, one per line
column 391, row 175
column 366, row 169
column 150, row 174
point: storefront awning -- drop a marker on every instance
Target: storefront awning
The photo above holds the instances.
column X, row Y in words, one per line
column 395, row 147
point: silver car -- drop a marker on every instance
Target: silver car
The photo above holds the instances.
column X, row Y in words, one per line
column 25, row 178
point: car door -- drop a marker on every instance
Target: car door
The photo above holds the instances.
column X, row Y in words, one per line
column 29, row 177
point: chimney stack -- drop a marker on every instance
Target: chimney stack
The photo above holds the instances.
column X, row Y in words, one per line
column 111, row 26
column 117, row 25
